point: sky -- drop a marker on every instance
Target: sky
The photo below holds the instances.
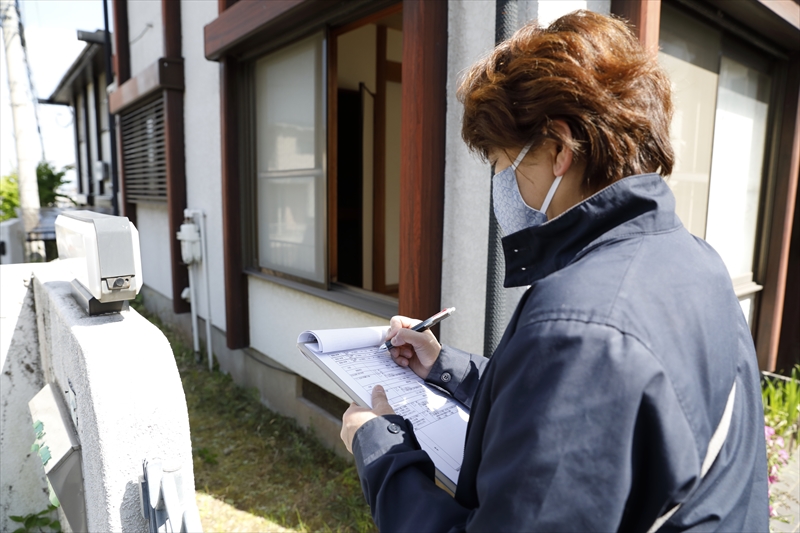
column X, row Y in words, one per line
column 51, row 35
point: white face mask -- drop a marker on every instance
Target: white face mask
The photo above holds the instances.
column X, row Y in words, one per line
column 512, row 213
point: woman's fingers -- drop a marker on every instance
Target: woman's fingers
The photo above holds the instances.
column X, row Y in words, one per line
column 415, row 349
column 398, row 323
column 380, row 403
column 398, row 358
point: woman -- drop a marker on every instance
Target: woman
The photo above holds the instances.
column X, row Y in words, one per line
column 626, row 383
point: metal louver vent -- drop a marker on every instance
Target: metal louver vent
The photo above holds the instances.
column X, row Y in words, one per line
column 143, row 153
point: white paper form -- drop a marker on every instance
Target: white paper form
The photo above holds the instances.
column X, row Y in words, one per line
column 440, row 423
column 337, row 340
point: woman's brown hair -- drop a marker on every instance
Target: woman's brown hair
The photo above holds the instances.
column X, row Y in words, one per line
column 586, row 69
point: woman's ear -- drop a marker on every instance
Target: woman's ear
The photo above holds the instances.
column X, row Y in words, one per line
column 563, row 155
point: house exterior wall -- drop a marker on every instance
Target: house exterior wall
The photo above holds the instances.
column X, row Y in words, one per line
column 152, row 221
column 145, row 33
column 202, row 146
column 279, row 314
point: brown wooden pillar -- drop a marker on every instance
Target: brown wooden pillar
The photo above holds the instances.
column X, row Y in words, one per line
column 237, row 321
column 236, row 297
column 423, row 153
column 789, row 344
column 780, row 221
column 122, row 71
column 644, row 17
column 175, row 153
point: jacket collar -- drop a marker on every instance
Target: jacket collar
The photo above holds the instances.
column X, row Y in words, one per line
column 633, row 205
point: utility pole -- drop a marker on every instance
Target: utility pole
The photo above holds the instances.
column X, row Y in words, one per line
column 24, row 116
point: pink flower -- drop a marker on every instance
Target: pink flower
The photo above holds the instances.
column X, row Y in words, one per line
column 768, row 432
column 779, row 441
column 784, row 455
column 772, row 511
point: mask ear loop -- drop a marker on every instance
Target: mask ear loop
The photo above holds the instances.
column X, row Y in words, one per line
column 521, row 156
column 550, row 194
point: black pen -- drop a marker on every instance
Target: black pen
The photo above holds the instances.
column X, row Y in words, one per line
column 427, row 324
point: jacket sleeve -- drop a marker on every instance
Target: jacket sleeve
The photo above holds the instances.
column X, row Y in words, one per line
column 397, row 479
column 562, row 411
column 457, row 373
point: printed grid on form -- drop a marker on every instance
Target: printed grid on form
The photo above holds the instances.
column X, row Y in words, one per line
column 439, row 421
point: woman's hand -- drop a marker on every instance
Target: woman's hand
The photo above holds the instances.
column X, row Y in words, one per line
column 417, row 350
column 356, row 416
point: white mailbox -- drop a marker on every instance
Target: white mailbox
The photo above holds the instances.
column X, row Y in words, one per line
column 102, row 251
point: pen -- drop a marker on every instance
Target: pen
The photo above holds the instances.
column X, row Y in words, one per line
column 427, row 324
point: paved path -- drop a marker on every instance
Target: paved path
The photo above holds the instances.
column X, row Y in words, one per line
column 787, row 501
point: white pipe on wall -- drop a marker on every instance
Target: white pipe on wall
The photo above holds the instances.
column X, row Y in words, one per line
column 209, row 347
column 193, row 302
column 197, row 218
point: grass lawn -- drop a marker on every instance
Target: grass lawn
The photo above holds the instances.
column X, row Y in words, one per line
column 256, row 470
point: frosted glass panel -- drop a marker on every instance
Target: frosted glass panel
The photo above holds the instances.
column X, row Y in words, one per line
column 287, row 224
column 736, row 168
column 290, row 130
column 286, row 88
column 694, row 97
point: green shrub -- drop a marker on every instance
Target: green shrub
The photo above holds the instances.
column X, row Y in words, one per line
column 48, row 180
column 9, row 196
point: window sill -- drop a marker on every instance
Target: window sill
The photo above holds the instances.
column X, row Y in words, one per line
column 745, row 286
column 359, row 299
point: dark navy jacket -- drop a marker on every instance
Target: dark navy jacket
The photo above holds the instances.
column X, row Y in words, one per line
column 596, row 410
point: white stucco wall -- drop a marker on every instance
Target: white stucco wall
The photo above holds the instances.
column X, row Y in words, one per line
column 279, row 314
column 145, row 33
column 203, row 150
column 152, row 221
column 467, row 185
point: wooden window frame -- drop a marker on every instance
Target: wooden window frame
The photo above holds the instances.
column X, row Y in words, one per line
column 242, row 28
column 385, row 71
column 775, row 319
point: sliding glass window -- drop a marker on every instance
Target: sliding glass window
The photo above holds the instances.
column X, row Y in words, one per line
column 290, row 157
column 719, row 132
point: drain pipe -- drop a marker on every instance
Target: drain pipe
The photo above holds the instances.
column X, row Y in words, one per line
column 193, row 237
column 201, row 217
column 506, row 23
column 190, row 253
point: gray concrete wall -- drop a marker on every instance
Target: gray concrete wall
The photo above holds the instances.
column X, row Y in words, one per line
column 126, row 393
column 23, row 489
column 470, row 35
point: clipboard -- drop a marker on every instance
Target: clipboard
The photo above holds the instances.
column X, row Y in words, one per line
column 440, row 422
